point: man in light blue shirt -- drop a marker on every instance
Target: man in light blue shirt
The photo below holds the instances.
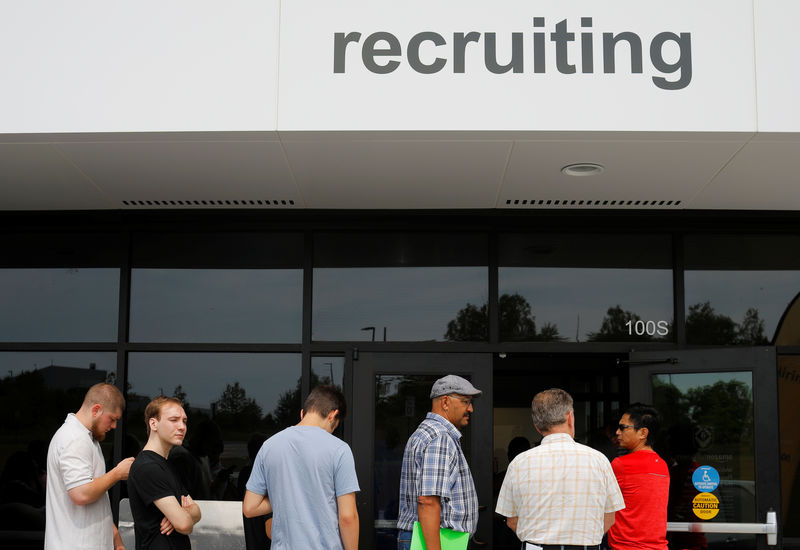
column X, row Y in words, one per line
column 306, row 477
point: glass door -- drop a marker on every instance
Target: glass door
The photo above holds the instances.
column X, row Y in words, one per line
column 391, row 397
column 719, row 434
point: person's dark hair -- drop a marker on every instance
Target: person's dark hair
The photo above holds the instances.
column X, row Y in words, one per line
column 645, row 416
column 516, row 446
column 550, row 408
column 324, row 399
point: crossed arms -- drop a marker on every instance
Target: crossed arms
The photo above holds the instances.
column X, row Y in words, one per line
column 178, row 516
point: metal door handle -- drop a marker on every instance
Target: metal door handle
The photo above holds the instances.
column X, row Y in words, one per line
column 770, row 528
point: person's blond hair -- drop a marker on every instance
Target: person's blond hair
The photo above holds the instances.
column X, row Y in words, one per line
column 153, row 409
column 106, row 395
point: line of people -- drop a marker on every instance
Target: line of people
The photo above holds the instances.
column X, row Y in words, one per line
column 78, row 512
column 560, row 495
column 308, row 473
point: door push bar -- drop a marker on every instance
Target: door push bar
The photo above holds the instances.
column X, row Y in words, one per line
column 770, row 528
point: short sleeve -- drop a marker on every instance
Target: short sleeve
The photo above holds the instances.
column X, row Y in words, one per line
column 436, row 467
column 77, row 462
column 258, row 482
column 345, row 480
column 152, row 483
column 506, row 499
column 614, row 500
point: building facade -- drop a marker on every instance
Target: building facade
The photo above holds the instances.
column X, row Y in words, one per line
column 232, row 206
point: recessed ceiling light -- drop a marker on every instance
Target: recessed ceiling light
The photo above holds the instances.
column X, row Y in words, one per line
column 583, row 169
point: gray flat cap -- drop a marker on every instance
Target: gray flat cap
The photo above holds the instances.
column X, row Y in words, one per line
column 453, row 384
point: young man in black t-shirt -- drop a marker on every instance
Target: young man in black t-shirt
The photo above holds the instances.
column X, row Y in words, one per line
column 163, row 512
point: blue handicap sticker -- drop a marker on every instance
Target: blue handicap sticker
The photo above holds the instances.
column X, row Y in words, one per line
column 705, row 479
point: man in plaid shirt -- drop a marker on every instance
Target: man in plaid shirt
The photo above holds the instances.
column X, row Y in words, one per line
column 560, row 495
column 436, row 486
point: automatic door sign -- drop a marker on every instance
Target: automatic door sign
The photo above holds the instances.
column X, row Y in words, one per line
column 705, row 506
column 705, row 479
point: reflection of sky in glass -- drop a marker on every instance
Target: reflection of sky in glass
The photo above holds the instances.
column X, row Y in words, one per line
column 687, row 381
column 59, row 305
column 731, row 293
column 216, row 305
column 413, row 303
column 329, row 370
column 14, row 363
column 204, row 376
column 563, row 296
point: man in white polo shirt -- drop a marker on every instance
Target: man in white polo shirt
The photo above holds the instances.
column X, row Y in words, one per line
column 560, row 495
column 78, row 511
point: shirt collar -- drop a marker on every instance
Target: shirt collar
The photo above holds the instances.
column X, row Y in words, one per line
column 553, row 438
column 452, row 430
column 72, row 419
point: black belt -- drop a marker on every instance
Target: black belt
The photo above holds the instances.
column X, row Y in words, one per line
column 533, row 546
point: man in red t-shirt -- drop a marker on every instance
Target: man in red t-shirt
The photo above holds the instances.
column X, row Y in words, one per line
column 643, row 477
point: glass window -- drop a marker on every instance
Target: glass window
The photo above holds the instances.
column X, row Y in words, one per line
column 400, row 287
column 327, row 370
column 217, row 287
column 37, row 392
column 70, row 304
column 234, row 401
column 707, row 420
column 581, row 288
column 216, row 305
column 738, row 287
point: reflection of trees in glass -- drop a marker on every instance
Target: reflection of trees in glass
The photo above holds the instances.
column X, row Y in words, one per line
column 705, row 326
column 180, row 395
column 726, row 407
column 235, row 409
column 392, row 395
column 517, row 322
column 30, row 410
column 670, row 403
column 234, row 412
column 620, row 324
column 705, row 424
column 471, row 324
column 751, row 331
column 287, row 411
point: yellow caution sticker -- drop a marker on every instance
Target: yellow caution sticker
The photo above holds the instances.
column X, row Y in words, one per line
column 705, row 506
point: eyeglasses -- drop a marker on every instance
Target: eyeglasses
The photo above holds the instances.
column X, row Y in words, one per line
column 623, row 427
column 466, row 400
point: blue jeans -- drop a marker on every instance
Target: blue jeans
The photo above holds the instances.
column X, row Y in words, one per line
column 403, row 540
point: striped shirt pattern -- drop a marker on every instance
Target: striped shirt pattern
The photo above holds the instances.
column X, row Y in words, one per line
column 434, row 464
column 560, row 491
